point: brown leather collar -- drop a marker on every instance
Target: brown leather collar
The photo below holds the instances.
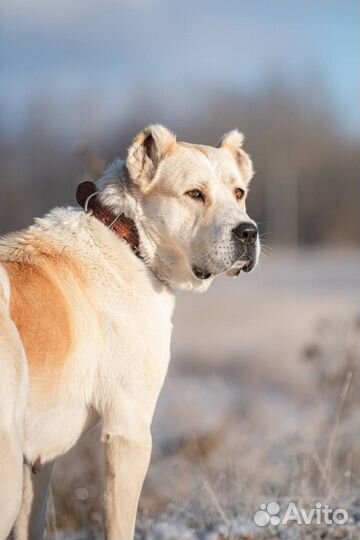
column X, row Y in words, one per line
column 123, row 227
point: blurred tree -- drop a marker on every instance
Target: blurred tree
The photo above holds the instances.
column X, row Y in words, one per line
column 306, row 188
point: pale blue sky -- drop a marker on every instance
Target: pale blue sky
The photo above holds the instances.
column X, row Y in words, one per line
column 113, row 50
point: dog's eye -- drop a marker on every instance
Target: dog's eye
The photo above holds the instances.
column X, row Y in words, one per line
column 196, row 194
column 239, row 193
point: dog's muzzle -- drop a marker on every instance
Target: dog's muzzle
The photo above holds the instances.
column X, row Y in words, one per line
column 244, row 254
column 246, row 235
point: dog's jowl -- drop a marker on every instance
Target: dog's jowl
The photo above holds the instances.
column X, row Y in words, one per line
column 80, row 286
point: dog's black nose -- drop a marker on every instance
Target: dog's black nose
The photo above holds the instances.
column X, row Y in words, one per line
column 246, row 232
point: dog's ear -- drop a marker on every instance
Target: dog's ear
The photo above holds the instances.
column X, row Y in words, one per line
column 232, row 142
column 146, row 152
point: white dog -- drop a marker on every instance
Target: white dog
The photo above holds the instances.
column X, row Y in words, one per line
column 89, row 297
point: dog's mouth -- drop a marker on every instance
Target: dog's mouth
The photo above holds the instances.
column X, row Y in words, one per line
column 201, row 273
column 246, row 266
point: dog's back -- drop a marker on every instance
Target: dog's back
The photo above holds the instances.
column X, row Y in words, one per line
column 13, row 392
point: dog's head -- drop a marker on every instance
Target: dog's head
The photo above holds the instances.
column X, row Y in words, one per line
column 189, row 204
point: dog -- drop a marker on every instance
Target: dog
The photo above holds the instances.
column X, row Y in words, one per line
column 86, row 300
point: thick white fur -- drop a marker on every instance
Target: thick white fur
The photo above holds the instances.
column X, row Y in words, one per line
column 120, row 309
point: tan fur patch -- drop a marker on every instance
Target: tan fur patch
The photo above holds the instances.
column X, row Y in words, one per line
column 39, row 310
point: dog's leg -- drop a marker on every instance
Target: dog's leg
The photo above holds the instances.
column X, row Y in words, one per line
column 11, row 459
column 126, row 465
column 31, row 520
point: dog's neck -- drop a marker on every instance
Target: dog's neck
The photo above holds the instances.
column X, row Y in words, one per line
column 124, row 227
column 116, row 195
column 118, row 208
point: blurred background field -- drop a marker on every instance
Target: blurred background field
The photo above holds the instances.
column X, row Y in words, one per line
column 261, row 401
